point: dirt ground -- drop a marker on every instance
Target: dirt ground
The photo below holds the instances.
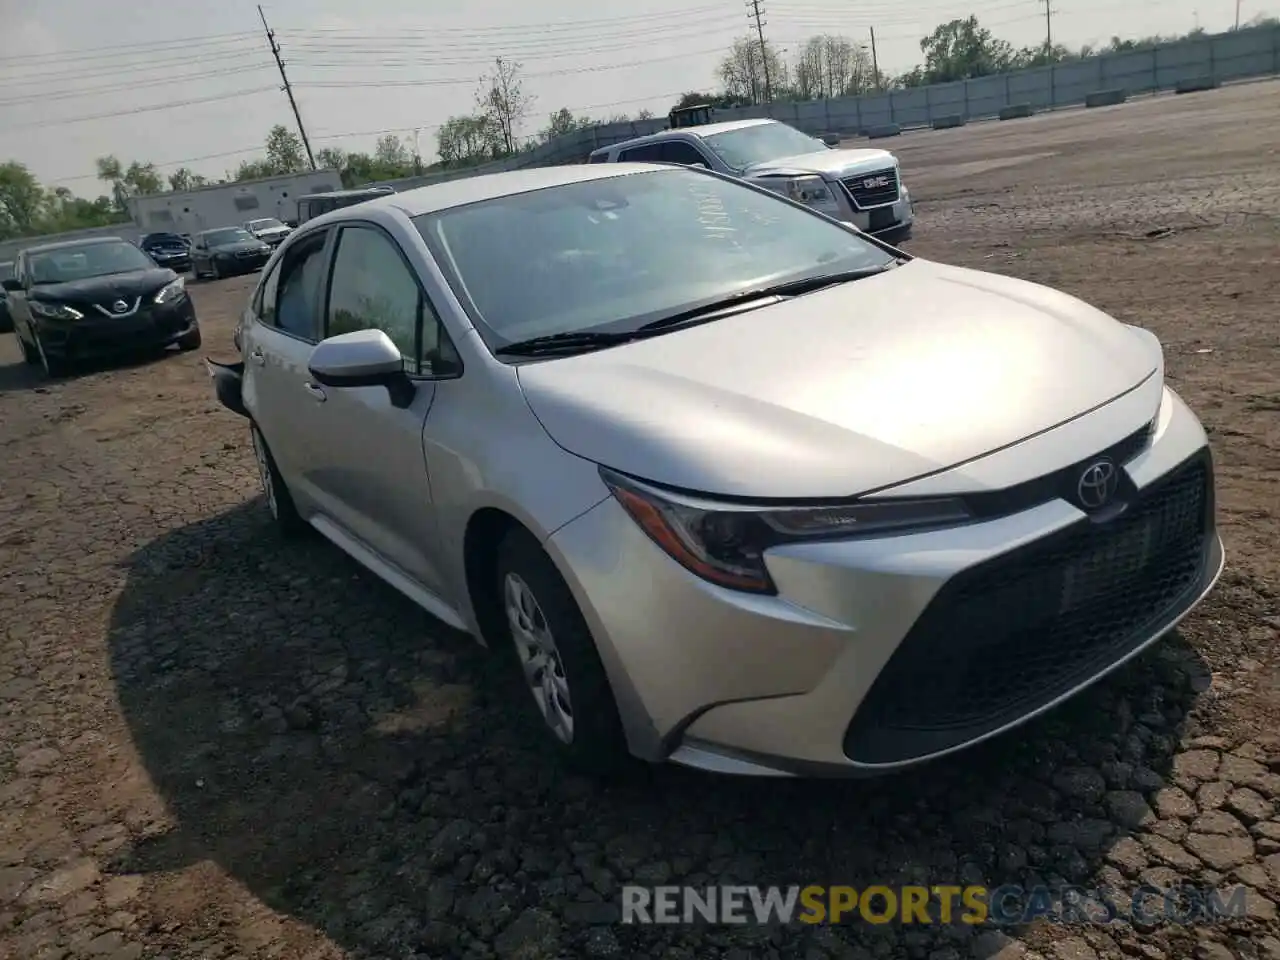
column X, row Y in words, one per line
column 216, row 744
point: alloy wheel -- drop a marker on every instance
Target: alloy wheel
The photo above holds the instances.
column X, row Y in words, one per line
column 539, row 658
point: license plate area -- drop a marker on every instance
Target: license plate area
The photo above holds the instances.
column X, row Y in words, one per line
column 882, row 218
column 1107, row 567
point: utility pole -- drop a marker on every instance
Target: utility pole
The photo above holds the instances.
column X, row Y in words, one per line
column 764, row 50
column 275, row 52
column 1048, row 28
column 875, row 60
column 1237, row 14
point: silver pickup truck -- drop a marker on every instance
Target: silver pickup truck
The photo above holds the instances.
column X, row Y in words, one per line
column 861, row 187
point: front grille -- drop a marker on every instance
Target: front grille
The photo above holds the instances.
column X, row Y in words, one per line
column 1014, row 633
column 873, row 189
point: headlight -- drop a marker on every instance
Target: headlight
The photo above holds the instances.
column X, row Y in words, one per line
column 812, row 191
column 171, row 291
column 725, row 543
column 54, row 311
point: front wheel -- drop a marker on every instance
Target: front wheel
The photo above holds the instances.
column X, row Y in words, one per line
column 53, row 367
column 567, row 685
column 279, row 501
column 190, row 341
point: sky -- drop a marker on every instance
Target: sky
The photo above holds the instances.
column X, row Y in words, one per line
column 194, row 84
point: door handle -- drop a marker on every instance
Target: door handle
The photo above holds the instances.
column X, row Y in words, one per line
column 316, row 392
column 257, row 357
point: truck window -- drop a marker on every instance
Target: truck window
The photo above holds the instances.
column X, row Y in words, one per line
column 649, row 153
column 677, row 151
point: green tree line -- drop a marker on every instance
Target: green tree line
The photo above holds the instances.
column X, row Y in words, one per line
column 824, row 66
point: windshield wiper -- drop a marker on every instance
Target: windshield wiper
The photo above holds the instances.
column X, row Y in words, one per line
column 562, row 342
column 788, row 288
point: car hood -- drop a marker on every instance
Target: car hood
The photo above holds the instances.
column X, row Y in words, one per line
column 835, row 163
column 271, row 232
column 844, row 391
column 115, row 286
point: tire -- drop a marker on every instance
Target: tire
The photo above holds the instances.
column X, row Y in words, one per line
column 53, row 368
column 279, row 501
column 592, row 742
column 190, row 341
column 215, row 272
column 29, row 355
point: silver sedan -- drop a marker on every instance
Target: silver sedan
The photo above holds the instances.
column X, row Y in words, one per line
column 734, row 485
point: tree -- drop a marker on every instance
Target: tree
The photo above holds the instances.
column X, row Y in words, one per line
column 830, row 66
column 744, row 70
column 22, row 199
column 332, row 158
column 468, row 140
column 184, row 179
column 561, row 122
column 390, row 151
column 961, row 50
column 284, row 151
column 502, row 100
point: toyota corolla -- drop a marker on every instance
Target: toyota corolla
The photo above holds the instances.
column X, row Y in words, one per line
column 735, row 485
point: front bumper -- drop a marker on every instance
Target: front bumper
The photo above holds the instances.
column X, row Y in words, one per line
column 177, row 264
column 891, row 223
column 153, row 325
column 881, row 654
column 236, row 263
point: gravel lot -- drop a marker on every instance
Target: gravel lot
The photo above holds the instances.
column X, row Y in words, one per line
column 216, row 744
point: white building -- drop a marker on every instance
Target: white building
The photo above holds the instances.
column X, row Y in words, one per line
column 229, row 204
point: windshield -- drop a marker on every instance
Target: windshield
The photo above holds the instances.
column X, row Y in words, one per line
column 266, row 224
column 91, row 260
column 745, row 146
column 615, row 252
column 215, row 238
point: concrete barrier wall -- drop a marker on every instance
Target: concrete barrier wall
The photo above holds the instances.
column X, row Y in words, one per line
column 1253, row 52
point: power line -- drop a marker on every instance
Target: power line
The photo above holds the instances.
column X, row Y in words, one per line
column 521, row 29
column 230, row 58
column 133, row 85
column 172, row 105
column 113, row 52
column 457, row 81
column 275, row 52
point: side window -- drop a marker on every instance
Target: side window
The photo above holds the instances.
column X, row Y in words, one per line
column 288, row 296
column 649, row 153
column 373, row 288
column 677, row 151
column 265, row 307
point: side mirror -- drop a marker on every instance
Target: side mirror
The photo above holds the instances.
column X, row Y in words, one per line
column 12, row 285
column 364, row 358
column 831, row 140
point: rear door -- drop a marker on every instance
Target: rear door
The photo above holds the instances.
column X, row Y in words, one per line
column 286, row 324
column 373, row 480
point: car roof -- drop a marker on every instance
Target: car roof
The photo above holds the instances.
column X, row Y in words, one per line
column 489, row 186
column 71, row 244
column 346, row 194
column 701, row 130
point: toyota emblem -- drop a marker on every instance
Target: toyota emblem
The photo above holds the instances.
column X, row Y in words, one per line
column 119, row 306
column 1097, row 484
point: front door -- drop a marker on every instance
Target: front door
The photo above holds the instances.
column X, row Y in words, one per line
column 286, row 324
column 374, row 476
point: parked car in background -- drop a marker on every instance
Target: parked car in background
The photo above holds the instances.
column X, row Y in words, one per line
column 6, row 319
column 227, row 252
column 312, row 206
column 168, row 250
column 268, row 229
column 861, row 187
column 87, row 298
column 636, row 423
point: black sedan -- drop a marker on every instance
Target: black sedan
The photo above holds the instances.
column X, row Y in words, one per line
column 167, row 250
column 87, row 298
column 227, row 252
column 6, row 320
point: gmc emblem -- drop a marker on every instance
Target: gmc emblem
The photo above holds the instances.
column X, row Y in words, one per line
column 875, row 183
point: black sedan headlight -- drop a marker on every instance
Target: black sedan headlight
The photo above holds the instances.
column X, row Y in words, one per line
column 54, row 311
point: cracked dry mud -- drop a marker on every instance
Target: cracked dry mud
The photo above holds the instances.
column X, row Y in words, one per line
column 215, row 744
